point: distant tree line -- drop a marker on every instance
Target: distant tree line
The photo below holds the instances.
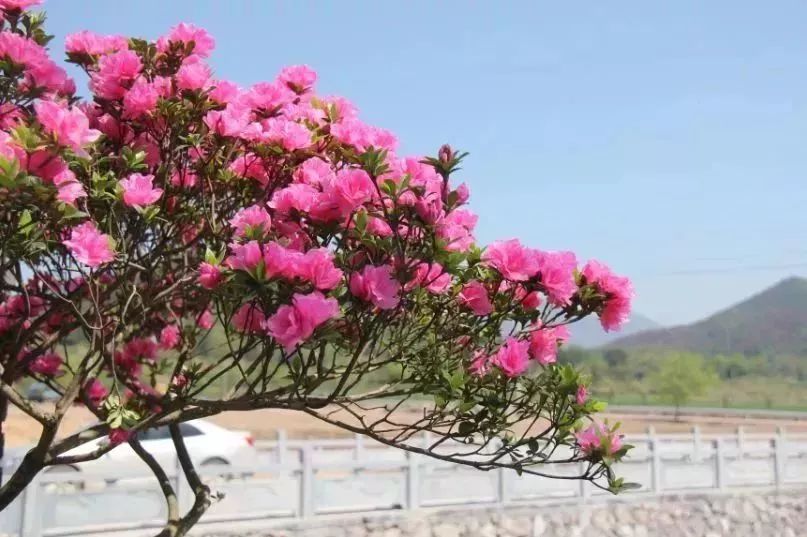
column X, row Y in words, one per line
column 653, row 376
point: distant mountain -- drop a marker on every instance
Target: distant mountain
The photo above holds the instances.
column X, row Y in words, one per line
column 589, row 334
column 773, row 321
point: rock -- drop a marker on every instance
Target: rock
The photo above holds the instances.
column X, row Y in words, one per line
column 485, row 530
column 538, row 526
column 625, row 531
column 446, row 530
column 515, row 526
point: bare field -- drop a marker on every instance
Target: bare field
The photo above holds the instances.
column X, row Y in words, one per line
column 263, row 424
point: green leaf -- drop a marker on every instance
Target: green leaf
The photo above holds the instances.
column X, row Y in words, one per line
column 25, row 223
column 361, row 221
column 457, row 380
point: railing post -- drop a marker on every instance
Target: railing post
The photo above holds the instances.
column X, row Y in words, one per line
column 696, row 440
column 720, row 465
column 779, row 459
column 740, row 441
column 585, row 491
column 655, row 460
column 282, row 447
column 412, row 481
column 307, row 483
column 31, row 523
column 358, row 449
column 501, row 486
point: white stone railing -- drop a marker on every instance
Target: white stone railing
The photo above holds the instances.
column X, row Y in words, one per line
column 303, row 480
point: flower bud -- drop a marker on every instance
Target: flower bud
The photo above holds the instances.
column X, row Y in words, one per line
column 445, row 154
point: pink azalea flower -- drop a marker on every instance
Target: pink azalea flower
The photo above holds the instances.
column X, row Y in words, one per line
column 95, row 390
column 205, row 320
column 39, row 69
column 245, row 256
column 115, row 74
column 318, row 268
column 224, row 92
column 514, row 261
column 378, row 227
column 463, row 194
column 69, row 126
column 457, row 230
column 89, row 246
column 617, row 290
column 281, row 261
column 90, row 43
column 597, row 438
column 512, row 357
column 8, row 5
column 69, row 190
column 253, row 219
column 544, row 343
column 289, row 134
column 119, row 436
column 475, row 297
column 42, row 163
column 169, row 336
column 314, row 172
column 180, row 381
column 140, row 99
column 267, row 96
column 299, row 78
column 141, row 348
column 350, row 190
column 188, row 34
column 376, row 285
column 582, row 395
column 296, row 196
column 209, row 276
column 138, row 190
column 184, row 178
column 353, row 132
column 193, row 75
column 430, row 208
column 249, row 318
column 228, row 122
column 431, row 277
column 481, row 363
column 48, row 364
column 557, row 275
column 251, row 166
column 294, row 324
column 530, row 301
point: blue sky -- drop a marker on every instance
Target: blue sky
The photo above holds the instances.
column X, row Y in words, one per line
column 667, row 139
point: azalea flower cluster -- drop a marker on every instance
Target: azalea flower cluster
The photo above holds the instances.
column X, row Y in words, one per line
column 172, row 202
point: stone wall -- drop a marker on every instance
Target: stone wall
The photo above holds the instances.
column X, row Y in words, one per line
column 748, row 515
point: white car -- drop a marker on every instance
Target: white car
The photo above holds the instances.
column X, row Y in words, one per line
column 208, row 445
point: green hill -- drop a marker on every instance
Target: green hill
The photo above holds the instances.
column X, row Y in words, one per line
column 773, row 321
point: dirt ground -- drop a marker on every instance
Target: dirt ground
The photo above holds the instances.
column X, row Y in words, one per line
column 23, row 431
